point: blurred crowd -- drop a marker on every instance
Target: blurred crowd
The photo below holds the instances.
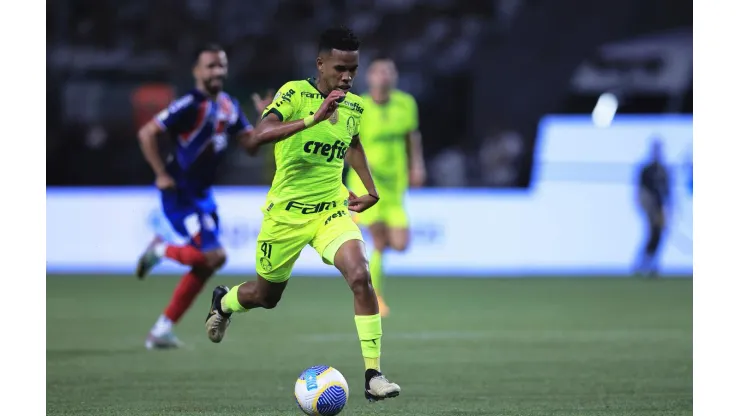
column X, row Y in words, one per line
column 102, row 53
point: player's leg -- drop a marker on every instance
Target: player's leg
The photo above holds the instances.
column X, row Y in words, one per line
column 379, row 233
column 646, row 263
column 374, row 221
column 186, row 222
column 395, row 236
column 278, row 248
column 652, row 246
column 205, row 246
column 339, row 242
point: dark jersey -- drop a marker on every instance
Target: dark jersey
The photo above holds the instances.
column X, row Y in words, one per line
column 654, row 179
column 199, row 128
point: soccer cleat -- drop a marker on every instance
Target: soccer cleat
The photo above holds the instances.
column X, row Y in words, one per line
column 377, row 387
column 383, row 307
column 217, row 320
column 148, row 259
column 164, row 342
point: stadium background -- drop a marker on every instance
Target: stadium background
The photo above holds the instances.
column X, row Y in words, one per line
column 521, row 183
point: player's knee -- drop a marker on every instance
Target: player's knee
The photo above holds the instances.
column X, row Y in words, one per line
column 380, row 244
column 203, row 272
column 399, row 240
column 270, row 300
column 400, row 244
column 358, row 278
column 266, row 297
column 216, row 259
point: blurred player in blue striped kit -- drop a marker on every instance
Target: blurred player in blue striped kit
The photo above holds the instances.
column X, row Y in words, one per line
column 199, row 125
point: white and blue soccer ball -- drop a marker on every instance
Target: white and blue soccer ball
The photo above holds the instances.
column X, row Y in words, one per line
column 321, row 391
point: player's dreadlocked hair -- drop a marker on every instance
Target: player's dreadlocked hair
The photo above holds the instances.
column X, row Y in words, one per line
column 340, row 38
column 208, row 47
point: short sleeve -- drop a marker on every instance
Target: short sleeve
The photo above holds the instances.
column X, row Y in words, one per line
column 413, row 115
column 285, row 103
column 357, row 126
column 175, row 118
column 241, row 123
column 357, row 120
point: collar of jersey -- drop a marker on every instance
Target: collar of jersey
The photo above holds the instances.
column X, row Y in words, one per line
column 312, row 81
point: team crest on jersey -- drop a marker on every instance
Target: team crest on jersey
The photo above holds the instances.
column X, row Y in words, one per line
column 351, row 125
column 334, row 117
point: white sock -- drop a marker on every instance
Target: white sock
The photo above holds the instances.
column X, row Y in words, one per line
column 162, row 326
column 159, row 249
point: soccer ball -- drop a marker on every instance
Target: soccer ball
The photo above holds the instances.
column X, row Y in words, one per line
column 321, row 391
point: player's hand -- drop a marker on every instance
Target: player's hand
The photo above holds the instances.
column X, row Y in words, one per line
column 164, row 182
column 361, row 203
column 417, row 177
column 329, row 106
column 260, row 103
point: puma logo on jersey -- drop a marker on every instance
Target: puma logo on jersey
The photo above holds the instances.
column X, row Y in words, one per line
column 336, row 151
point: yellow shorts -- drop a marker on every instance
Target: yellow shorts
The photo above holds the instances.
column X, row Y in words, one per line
column 390, row 210
column 279, row 244
column 392, row 213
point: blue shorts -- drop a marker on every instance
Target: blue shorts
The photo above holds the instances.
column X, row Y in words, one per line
column 197, row 221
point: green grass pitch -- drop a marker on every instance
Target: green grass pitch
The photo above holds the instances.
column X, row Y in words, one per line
column 456, row 346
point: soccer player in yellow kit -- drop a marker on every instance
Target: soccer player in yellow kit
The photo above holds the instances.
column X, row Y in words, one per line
column 392, row 143
column 315, row 125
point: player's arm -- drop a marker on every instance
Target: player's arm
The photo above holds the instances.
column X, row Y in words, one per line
column 417, row 169
column 149, row 147
column 242, row 129
column 414, row 151
column 358, row 161
column 175, row 119
column 273, row 128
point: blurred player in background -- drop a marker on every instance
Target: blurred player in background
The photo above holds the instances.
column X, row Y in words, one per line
column 199, row 124
column 654, row 196
column 392, row 142
column 315, row 124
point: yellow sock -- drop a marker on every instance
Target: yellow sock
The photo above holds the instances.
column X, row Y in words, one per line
column 370, row 331
column 376, row 271
column 230, row 302
column 373, row 363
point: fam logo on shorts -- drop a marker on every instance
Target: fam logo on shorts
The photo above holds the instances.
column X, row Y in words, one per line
column 266, row 264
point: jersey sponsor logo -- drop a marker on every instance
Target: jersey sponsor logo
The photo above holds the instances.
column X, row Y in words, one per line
column 310, row 208
column 353, row 106
column 336, row 151
column 337, row 214
column 220, row 142
column 284, row 97
column 311, row 95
